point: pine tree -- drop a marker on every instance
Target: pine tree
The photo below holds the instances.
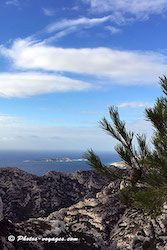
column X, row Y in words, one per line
column 148, row 168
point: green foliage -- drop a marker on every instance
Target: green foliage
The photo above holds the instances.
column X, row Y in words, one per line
column 151, row 192
column 149, row 200
column 126, row 196
column 118, row 130
column 125, row 154
column 95, row 163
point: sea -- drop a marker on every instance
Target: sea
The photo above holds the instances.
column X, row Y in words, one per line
column 17, row 159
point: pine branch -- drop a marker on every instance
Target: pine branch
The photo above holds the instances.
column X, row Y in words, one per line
column 124, row 154
column 163, row 83
column 142, row 147
column 95, row 163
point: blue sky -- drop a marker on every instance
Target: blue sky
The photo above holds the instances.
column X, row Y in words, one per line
column 63, row 63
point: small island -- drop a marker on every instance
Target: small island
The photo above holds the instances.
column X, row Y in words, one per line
column 56, row 160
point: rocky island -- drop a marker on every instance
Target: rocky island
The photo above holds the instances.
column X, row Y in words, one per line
column 56, row 160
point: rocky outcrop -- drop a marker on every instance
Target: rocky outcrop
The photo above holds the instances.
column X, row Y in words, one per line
column 135, row 231
column 39, row 234
column 98, row 222
column 112, row 225
column 25, row 195
column 94, row 216
column 89, row 221
column 1, row 209
column 95, row 223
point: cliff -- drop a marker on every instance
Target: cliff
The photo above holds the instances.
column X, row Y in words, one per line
column 97, row 221
column 25, row 195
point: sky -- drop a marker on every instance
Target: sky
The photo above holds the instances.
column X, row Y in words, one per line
column 63, row 63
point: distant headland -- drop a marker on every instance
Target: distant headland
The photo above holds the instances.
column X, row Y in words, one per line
column 56, row 160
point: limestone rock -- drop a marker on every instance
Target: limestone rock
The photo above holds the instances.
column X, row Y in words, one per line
column 25, row 195
column 97, row 219
column 1, row 209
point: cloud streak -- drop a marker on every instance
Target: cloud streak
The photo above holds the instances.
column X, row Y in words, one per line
column 140, row 8
column 66, row 26
column 29, row 84
column 91, row 112
column 12, row 2
column 60, row 137
column 48, row 12
column 112, row 29
column 66, row 23
column 123, row 67
column 134, row 105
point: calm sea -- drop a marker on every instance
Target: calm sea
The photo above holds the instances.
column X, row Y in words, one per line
column 17, row 158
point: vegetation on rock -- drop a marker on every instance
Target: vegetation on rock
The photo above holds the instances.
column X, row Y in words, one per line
column 147, row 188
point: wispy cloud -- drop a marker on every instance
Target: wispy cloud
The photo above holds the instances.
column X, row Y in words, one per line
column 8, row 120
column 66, row 23
column 140, row 8
column 113, row 30
column 43, row 108
column 67, row 26
column 60, row 137
column 48, row 12
column 90, row 122
column 60, row 121
column 12, row 2
column 123, row 67
column 75, row 8
column 60, row 34
column 134, row 105
column 91, row 112
column 29, row 84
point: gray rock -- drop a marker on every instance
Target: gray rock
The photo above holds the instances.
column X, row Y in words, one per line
column 96, row 218
column 1, row 209
column 25, row 195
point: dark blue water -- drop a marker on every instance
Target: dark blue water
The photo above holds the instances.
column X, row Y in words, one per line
column 17, row 158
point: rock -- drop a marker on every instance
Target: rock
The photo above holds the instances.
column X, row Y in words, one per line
column 95, row 217
column 25, row 195
column 93, row 220
column 89, row 221
column 113, row 226
column 1, row 209
column 42, row 234
column 136, row 231
column 123, row 184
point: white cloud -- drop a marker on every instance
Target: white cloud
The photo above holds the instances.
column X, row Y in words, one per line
column 141, row 126
column 48, row 12
column 60, row 121
column 15, row 131
column 89, row 122
column 68, row 23
column 12, row 2
column 91, row 112
column 113, row 29
column 60, row 34
column 28, row 84
column 6, row 119
column 49, row 137
column 134, row 105
column 61, row 137
column 123, row 67
column 140, row 8
column 67, row 26
column 75, row 8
